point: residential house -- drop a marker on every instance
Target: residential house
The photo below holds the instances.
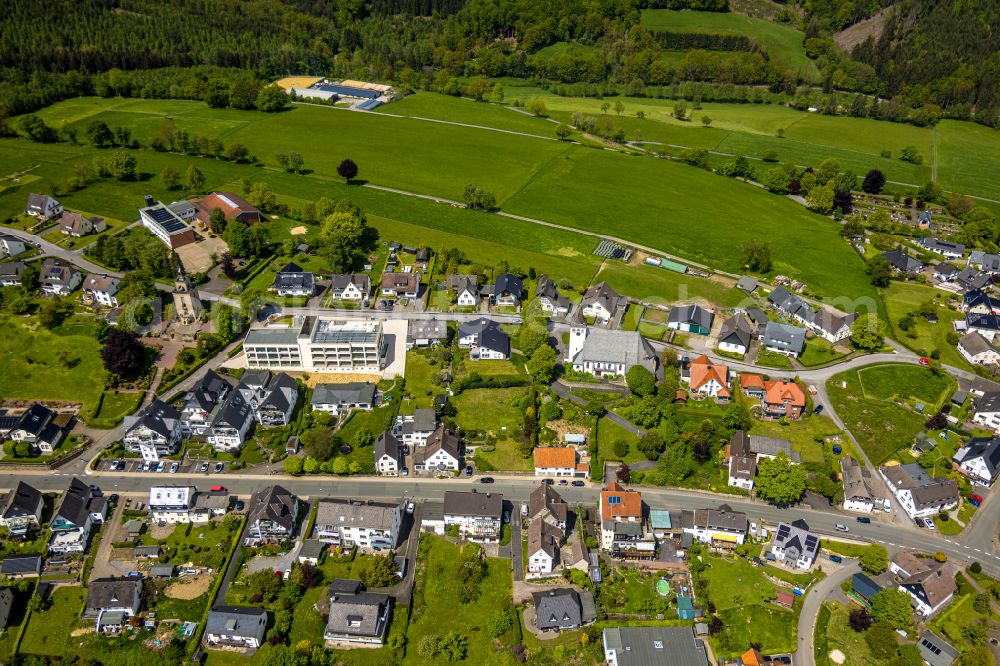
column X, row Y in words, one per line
column 978, row 350
column 545, row 504
column 231, row 423
column 233, row 207
column 112, row 601
column 653, row 646
column 987, row 325
column 425, row 332
column 558, row 610
column 154, row 432
column 858, row 493
column 559, row 461
column 901, row 262
column 479, row 516
column 969, row 279
column 665, row 523
column 10, row 273
column 930, row 584
column 549, row 298
column 708, row 379
column 723, row 529
column 736, row 334
column 760, row 447
column 241, row 627
column 414, row 429
column 544, row 540
column 691, row 319
column 77, row 225
column 43, row 207
column 171, row 504
column 919, row 494
column 946, row 249
column 357, row 616
column 272, row 398
column 790, row 304
column 936, row 651
column 101, row 290
column 272, row 515
column 22, row 510
column 978, row 301
column 783, row 398
column 350, row 287
column 783, row 339
column 21, row 567
column 59, row 278
column 623, row 529
column 608, row 353
column 946, row 272
column 37, row 426
column 748, row 284
column 442, row 452
column 342, row 398
column 979, row 459
column 795, row 545
column 925, row 220
column 367, row 525
column 752, row 385
column 80, row 508
column 484, row 339
column 987, row 411
column 292, row 280
column 507, row 291
column 465, row 288
column 831, row 326
column 400, row 285
column 757, row 317
column 311, row 552
column 602, row 303
column 990, row 263
column 201, row 402
column 11, row 246
column 742, row 471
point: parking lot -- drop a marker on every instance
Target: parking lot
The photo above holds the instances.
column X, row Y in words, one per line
column 130, row 465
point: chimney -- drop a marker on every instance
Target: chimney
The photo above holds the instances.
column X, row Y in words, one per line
column 150, row 201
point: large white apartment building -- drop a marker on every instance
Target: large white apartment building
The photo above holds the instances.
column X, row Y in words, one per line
column 317, row 344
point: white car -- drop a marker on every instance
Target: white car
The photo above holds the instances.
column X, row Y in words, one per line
column 409, row 507
column 146, row 465
column 887, row 505
column 929, row 524
column 174, row 467
column 841, row 528
column 160, row 465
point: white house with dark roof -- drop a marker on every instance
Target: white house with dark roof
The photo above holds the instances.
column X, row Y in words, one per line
column 154, row 432
column 400, row 285
column 43, row 207
column 201, row 403
column 691, row 319
column 484, row 339
column 979, row 459
column 478, row 516
column 272, row 398
column 240, row 627
column 350, row 287
column 978, row 301
column 442, row 453
column 59, row 278
column 653, row 646
column 37, row 426
column 719, row 528
column 77, row 225
column 605, row 352
column 341, row 398
column 549, row 298
column 171, row 504
column 987, row 325
column 901, row 262
column 602, row 303
column 987, row 411
column 919, row 494
column 272, row 515
column 977, row 350
column 388, row 455
column 231, row 423
column 544, row 541
column 465, row 288
column 930, row 584
column 79, row 509
column 22, row 510
column 736, row 334
column 356, row 616
column 783, row 339
column 795, row 545
column 112, row 601
column 946, row 249
column 10, row 273
column 368, row 525
column 858, row 494
column 506, row 291
column 558, row 609
column 292, row 280
column 545, row 504
column 101, row 290
column 414, row 429
column 11, row 246
column 425, row 332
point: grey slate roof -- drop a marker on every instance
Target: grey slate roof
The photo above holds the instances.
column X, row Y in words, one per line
column 242, row 621
column 691, row 314
column 11, row 270
column 293, row 277
column 356, row 513
column 312, row 548
column 989, row 402
column 507, row 283
column 6, row 600
column 461, row 283
column 736, row 330
column 655, row 646
column 926, row 490
column 971, row 279
column 387, row 445
column 35, row 419
column 349, row 392
column 234, row 412
column 987, row 322
column 208, row 392
column 987, row 448
column 602, row 293
column 488, row 334
column 112, row 593
column 936, row 245
column 757, row 316
column 797, row 537
column 857, row 480
column 446, row 440
column 158, row 416
column 558, row 609
column 747, row 283
column 24, row 500
column 21, row 566
column 340, row 281
column 935, row 650
column 974, row 343
column 349, row 601
column 544, row 536
column 273, row 503
column 459, row 503
column 903, row 262
column 426, row 329
column 75, row 504
column 614, row 346
column 783, row 336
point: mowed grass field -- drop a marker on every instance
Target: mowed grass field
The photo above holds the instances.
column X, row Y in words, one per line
column 902, row 298
column 783, row 43
column 63, row 363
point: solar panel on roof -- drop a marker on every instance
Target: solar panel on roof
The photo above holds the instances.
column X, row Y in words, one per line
column 811, row 542
column 783, row 531
column 166, row 219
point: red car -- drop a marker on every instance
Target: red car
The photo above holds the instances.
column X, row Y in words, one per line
column 925, row 361
column 219, row 489
column 975, row 499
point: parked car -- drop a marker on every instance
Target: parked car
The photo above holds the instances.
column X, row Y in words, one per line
column 819, row 408
column 836, row 558
column 887, row 506
column 578, row 484
column 409, row 507
column 864, row 520
column 146, row 465
column 919, row 522
column 174, row 467
column 925, row 361
column 405, row 471
column 160, row 466
column 219, row 467
column 240, row 505
column 468, row 470
column 115, row 465
column 929, row 524
column 204, row 467
column 219, row 489
column 486, row 479
column 841, row 528
column 975, row 499
column 563, row 482
column 548, row 481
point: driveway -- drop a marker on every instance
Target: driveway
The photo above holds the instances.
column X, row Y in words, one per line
column 815, row 596
column 517, row 553
column 103, row 566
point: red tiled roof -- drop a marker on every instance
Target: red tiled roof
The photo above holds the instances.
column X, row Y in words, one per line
column 779, row 393
column 555, row 456
column 751, row 381
column 703, row 371
column 629, row 504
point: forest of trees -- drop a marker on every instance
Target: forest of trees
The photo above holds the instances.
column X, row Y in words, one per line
column 934, row 59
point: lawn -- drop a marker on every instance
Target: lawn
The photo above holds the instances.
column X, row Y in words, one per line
column 204, row 544
column 489, row 410
column 419, row 381
column 488, row 367
column 464, row 110
column 437, row 609
column 880, row 426
column 957, row 142
column 736, row 588
column 115, row 406
column 906, row 382
column 770, row 359
column 819, row 352
column 607, row 433
column 61, row 363
column 903, row 298
column 632, row 592
column 650, row 284
column 782, row 43
column 48, row 631
column 802, row 433
column 841, row 637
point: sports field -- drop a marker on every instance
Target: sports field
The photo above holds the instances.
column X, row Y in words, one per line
column 781, row 42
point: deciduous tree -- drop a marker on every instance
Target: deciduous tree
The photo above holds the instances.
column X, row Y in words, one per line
column 874, row 182
column 779, row 480
column 272, row 98
column 348, row 170
column 868, row 332
column 640, row 381
column 874, row 559
column 892, row 607
column 123, row 354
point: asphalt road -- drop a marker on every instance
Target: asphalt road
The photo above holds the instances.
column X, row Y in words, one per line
column 805, row 655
